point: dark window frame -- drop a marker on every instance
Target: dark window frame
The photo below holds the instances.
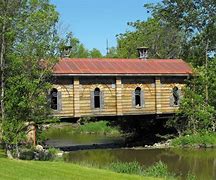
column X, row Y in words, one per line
column 138, row 97
column 97, row 98
column 175, row 97
column 54, row 99
column 138, row 100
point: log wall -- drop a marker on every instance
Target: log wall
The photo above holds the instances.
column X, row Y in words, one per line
column 117, row 93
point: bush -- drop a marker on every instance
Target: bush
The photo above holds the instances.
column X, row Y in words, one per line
column 203, row 139
column 27, row 154
column 86, row 119
column 129, row 168
column 157, row 170
column 46, row 155
column 99, row 127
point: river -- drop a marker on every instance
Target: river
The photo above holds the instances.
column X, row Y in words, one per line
column 199, row 162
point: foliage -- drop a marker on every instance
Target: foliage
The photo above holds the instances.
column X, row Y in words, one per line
column 202, row 139
column 129, row 168
column 32, row 46
column 162, row 39
column 197, row 112
column 85, row 119
column 27, row 154
column 191, row 176
column 196, row 19
column 78, row 50
column 95, row 53
column 100, row 127
column 112, row 53
column 159, row 169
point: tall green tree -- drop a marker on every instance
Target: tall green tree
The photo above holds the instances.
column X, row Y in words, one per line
column 195, row 115
column 29, row 46
column 112, row 53
column 197, row 19
column 95, row 53
column 77, row 50
column 163, row 40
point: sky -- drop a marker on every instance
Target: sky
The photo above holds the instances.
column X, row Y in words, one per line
column 94, row 22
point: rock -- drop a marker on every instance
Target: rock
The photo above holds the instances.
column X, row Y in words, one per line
column 60, row 154
column 39, row 148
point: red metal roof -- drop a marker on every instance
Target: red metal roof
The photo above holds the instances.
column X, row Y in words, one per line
column 121, row 66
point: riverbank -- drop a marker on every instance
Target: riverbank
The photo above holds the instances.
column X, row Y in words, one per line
column 199, row 140
column 99, row 127
column 38, row 170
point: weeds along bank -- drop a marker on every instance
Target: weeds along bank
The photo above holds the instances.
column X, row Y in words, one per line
column 98, row 127
column 199, row 140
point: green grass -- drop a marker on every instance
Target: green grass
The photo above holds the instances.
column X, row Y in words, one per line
column 158, row 169
column 99, row 127
column 129, row 168
column 203, row 139
column 17, row 169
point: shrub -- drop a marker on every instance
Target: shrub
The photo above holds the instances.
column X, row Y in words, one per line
column 27, row 154
column 191, row 176
column 129, row 168
column 159, row 169
column 195, row 139
column 99, row 127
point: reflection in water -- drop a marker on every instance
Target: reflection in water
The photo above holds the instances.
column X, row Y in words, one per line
column 60, row 137
column 201, row 162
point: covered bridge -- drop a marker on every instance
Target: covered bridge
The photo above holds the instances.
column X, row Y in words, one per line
column 117, row 87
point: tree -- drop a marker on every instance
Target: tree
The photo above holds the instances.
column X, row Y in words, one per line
column 29, row 53
column 78, row 50
column 95, row 53
column 197, row 19
column 112, row 53
column 163, row 40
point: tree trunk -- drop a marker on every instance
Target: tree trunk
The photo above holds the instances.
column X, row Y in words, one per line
column 2, row 63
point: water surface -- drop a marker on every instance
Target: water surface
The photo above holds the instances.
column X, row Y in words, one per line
column 200, row 162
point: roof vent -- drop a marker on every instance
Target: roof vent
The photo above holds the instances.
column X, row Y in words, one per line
column 66, row 50
column 143, row 52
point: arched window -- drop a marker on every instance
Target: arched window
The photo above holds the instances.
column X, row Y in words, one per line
column 54, row 98
column 175, row 97
column 138, row 96
column 97, row 99
column 97, row 103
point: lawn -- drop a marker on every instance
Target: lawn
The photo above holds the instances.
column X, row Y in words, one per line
column 17, row 169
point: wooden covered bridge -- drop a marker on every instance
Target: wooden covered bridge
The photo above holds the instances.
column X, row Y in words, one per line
column 117, row 87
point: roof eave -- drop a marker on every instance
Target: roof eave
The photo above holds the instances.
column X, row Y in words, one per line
column 162, row 74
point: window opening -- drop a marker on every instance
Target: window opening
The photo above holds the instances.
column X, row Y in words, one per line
column 54, row 98
column 138, row 96
column 97, row 102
